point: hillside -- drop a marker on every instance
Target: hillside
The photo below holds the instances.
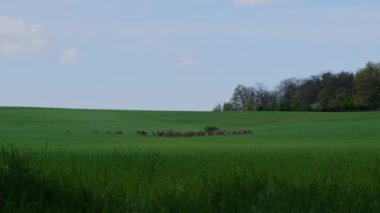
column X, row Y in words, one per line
column 293, row 161
column 34, row 127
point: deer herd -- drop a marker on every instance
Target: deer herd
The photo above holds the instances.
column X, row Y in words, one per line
column 208, row 131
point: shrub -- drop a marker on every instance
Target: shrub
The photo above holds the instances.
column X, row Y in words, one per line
column 211, row 128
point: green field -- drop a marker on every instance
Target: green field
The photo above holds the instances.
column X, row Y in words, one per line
column 293, row 162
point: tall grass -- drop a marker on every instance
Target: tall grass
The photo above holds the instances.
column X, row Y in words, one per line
column 125, row 181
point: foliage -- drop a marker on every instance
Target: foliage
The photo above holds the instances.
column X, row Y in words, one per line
column 218, row 108
column 342, row 91
column 228, row 107
column 367, row 86
column 241, row 96
column 249, row 105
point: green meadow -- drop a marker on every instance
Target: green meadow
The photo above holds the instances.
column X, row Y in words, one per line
column 52, row 161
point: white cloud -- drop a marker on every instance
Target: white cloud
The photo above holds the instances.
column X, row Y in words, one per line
column 19, row 38
column 70, row 56
column 186, row 61
column 256, row 2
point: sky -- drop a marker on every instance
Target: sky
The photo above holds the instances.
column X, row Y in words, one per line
column 171, row 54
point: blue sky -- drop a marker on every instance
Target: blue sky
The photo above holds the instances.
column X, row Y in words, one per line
column 170, row 54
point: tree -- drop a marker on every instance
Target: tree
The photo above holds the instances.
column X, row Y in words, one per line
column 326, row 94
column 259, row 96
column 241, row 96
column 228, row 107
column 270, row 100
column 367, row 87
column 344, row 95
column 218, row 108
column 289, row 91
column 342, row 91
column 336, row 92
column 249, row 106
column 309, row 90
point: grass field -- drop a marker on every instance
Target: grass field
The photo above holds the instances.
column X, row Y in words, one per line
column 293, row 162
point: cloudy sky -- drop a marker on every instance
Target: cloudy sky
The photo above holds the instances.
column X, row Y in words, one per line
column 171, row 54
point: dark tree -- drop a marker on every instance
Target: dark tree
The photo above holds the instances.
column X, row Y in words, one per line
column 218, row 108
column 249, row 105
column 367, row 87
column 344, row 95
column 289, row 91
column 336, row 93
column 327, row 93
column 228, row 107
column 270, row 101
column 259, row 96
column 309, row 90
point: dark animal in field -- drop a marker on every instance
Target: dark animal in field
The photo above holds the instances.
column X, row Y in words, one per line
column 109, row 132
column 141, row 132
column 244, row 132
column 211, row 128
column 119, row 132
column 96, row 131
column 175, row 134
column 186, row 134
column 189, row 134
column 67, row 131
column 169, row 134
column 200, row 133
column 221, row 132
column 178, row 134
column 160, row 133
column 211, row 133
column 247, row 131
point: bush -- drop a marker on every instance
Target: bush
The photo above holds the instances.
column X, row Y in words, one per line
column 211, row 128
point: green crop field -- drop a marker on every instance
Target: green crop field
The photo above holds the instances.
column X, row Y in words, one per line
column 52, row 161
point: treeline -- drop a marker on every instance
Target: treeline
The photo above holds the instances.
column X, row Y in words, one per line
column 344, row 91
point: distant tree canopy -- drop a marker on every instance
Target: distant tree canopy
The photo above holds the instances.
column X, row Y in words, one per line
column 343, row 91
column 367, row 87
